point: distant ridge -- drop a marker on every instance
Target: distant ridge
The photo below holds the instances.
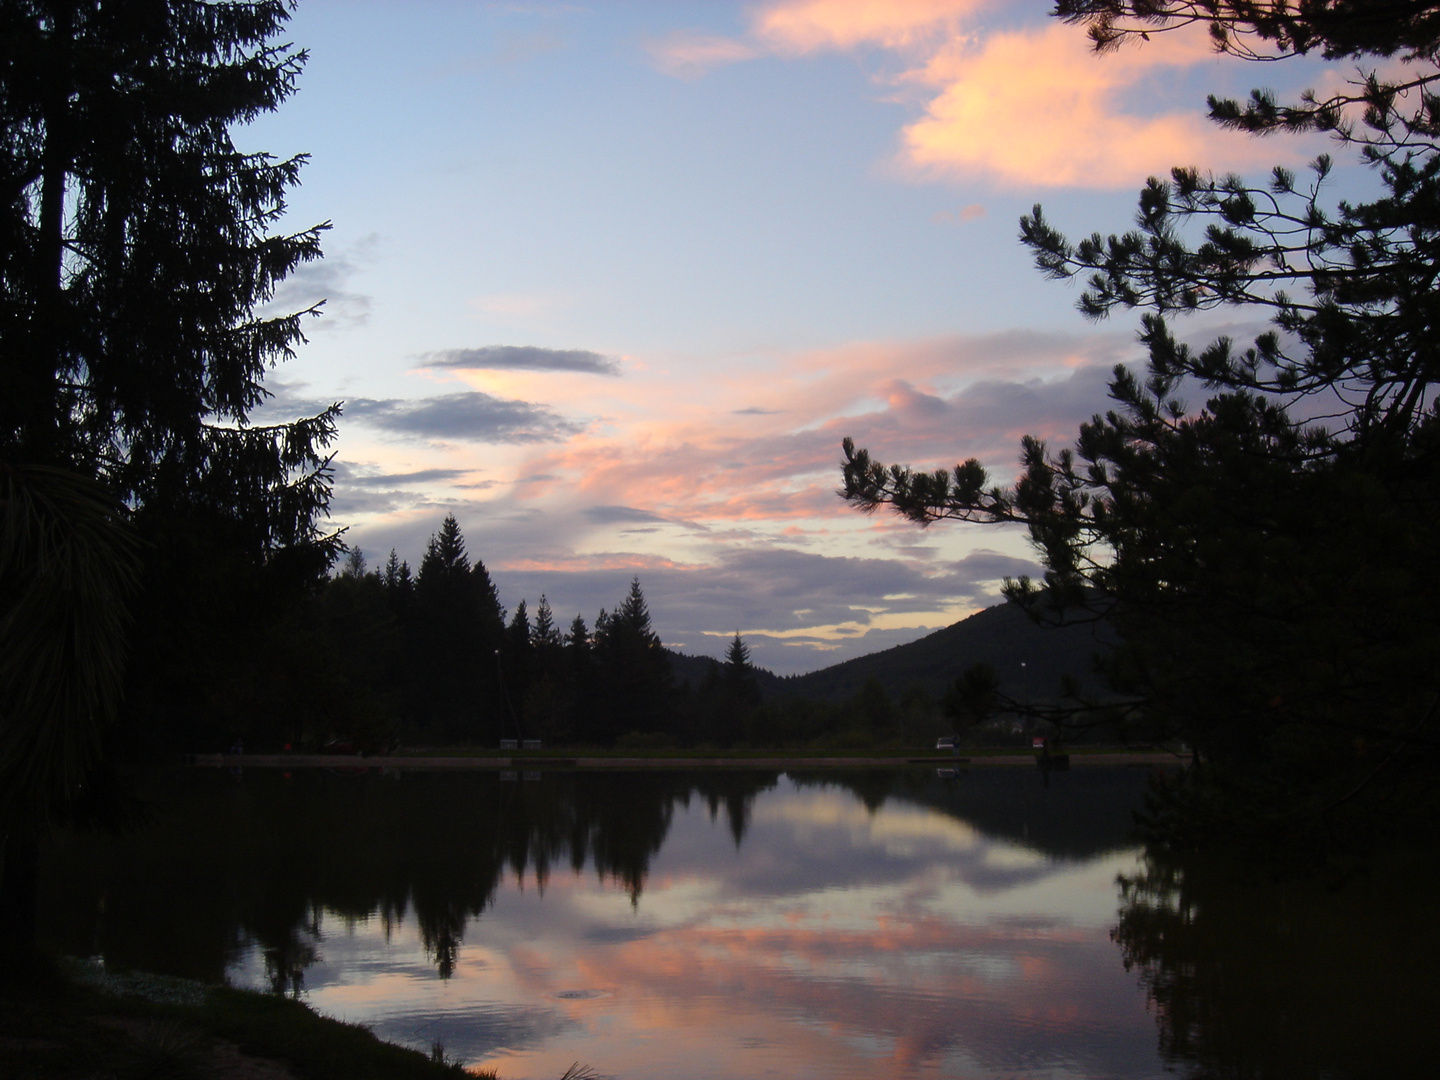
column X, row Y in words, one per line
column 1002, row 636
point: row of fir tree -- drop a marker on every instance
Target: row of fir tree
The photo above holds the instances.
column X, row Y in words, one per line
column 430, row 656
column 379, row 657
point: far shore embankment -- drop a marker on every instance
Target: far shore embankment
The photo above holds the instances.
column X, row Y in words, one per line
column 537, row 763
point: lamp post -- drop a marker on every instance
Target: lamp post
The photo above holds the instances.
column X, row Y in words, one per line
column 505, row 701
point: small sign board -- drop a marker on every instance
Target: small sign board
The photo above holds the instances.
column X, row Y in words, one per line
column 1037, row 742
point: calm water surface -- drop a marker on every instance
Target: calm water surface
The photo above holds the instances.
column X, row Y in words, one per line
column 727, row 925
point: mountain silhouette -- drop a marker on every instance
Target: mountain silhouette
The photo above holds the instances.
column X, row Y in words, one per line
column 1003, row 636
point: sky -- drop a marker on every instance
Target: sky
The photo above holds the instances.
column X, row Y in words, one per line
column 610, row 282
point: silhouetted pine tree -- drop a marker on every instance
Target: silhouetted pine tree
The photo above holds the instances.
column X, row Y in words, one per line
column 741, row 693
column 546, row 637
column 577, row 644
column 354, row 565
column 634, row 670
column 488, row 598
column 399, row 586
column 740, row 673
column 582, row 659
column 550, row 698
column 357, row 646
column 519, row 661
column 726, row 700
column 135, row 250
column 455, row 633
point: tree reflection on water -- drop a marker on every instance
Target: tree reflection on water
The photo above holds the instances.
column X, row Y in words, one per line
column 1287, row 979
column 226, row 863
column 229, row 863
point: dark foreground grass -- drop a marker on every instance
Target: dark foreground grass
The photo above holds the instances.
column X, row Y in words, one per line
column 53, row 1027
column 315, row 1047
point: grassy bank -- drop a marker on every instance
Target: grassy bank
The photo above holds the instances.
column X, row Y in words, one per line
column 63, row 1022
column 899, row 755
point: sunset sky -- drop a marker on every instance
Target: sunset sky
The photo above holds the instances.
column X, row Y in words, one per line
column 610, row 282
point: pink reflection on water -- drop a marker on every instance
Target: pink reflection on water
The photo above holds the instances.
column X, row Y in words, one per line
column 733, row 963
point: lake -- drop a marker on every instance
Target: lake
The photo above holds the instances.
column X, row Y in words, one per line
column 718, row 924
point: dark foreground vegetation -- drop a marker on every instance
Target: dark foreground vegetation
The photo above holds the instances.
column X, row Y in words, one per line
column 1267, row 557
column 59, row 1022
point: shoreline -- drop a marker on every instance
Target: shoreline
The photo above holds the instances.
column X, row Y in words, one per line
column 592, row 763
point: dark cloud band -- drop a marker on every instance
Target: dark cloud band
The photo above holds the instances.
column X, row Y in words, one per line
column 352, row 477
column 523, row 358
column 472, row 417
column 610, row 515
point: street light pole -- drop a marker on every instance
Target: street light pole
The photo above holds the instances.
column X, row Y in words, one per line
column 1025, row 683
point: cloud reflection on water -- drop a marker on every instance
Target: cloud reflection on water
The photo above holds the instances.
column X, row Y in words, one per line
column 835, row 941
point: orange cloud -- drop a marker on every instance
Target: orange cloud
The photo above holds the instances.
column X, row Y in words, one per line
column 1039, row 107
column 808, row 25
column 590, row 564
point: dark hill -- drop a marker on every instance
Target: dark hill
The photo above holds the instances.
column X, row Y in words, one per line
column 1002, row 636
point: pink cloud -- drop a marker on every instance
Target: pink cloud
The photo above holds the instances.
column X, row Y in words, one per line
column 973, row 212
column 670, row 484
column 808, row 973
column 691, row 476
column 1032, row 105
column 786, row 469
column 687, row 54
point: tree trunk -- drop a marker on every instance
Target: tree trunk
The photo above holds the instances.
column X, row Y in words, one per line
column 43, row 430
